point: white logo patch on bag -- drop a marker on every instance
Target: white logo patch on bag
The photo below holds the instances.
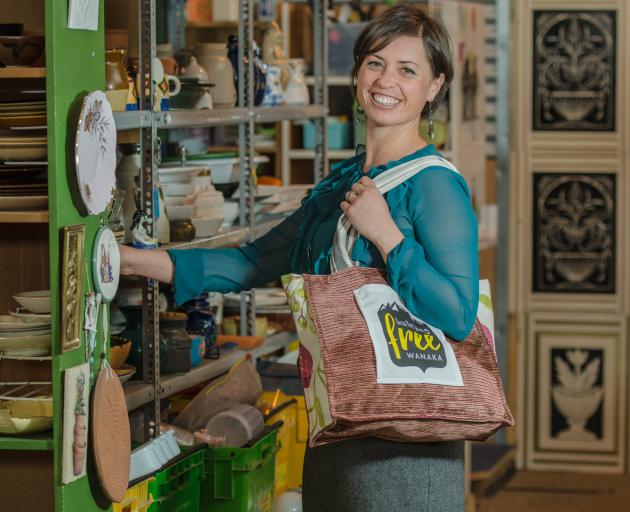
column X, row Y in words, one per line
column 408, row 350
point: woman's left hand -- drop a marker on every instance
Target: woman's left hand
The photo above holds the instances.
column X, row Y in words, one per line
column 368, row 211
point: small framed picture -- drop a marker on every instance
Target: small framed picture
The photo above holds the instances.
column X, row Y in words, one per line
column 72, row 286
column 76, row 402
column 83, row 14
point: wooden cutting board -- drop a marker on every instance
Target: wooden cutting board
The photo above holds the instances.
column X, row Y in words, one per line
column 111, row 437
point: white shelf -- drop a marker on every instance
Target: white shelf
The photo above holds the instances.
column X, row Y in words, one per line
column 289, row 113
column 132, row 120
column 200, row 118
column 274, row 343
column 333, row 154
column 229, row 236
column 339, row 80
column 140, row 393
column 235, row 235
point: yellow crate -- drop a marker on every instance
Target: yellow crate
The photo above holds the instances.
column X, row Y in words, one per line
column 292, row 436
column 137, row 498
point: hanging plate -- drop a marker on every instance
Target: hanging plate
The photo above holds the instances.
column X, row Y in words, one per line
column 95, row 152
column 111, row 436
column 105, row 264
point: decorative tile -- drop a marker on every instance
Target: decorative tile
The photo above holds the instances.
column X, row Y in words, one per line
column 574, row 70
column 577, row 389
column 574, row 233
column 576, row 394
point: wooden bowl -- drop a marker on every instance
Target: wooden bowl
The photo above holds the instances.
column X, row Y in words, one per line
column 20, row 50
column 119, row 351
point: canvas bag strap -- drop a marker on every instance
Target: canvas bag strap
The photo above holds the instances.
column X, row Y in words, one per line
column 346, row 235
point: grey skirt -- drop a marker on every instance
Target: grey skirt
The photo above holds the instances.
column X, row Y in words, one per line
column 374, row 475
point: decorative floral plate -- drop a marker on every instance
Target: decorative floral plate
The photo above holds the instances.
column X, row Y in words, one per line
column 106, row 264
column 95, row 152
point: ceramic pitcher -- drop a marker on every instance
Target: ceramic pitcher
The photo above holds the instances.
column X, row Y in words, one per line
column 213, row 58
column 116, row 80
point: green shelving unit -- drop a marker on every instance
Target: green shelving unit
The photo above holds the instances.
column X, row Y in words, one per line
column 31, row 242
column 33, row 442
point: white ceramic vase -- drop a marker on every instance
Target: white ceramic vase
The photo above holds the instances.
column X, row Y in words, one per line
column 296, row 92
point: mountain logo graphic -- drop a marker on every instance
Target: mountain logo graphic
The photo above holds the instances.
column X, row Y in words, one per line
column 410, row 341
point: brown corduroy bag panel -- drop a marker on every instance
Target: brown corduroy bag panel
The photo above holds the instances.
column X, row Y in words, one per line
column 360, row 407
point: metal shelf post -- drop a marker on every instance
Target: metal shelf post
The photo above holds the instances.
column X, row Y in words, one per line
column 149, row 155
column 320, row 88
column 246, row 144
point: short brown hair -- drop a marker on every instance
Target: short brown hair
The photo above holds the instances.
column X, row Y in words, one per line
column 404, row 20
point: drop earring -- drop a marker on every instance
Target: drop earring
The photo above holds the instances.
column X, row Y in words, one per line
column 359, row 114
column 430, row 131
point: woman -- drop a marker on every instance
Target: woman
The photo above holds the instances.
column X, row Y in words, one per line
column 423, row 233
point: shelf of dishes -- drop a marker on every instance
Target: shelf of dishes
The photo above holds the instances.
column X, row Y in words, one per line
column 331, row 80
column 215, row 117
column 333, row 154
column 22, row 72
column 23, row 217
column 34, row 442
column 234, row 235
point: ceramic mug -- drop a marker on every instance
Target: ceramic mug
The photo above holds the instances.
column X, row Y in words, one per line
column 162, row 89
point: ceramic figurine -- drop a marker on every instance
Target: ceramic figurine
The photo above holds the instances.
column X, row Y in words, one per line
column 259, row 68
column 273, row 52
column 274, row 93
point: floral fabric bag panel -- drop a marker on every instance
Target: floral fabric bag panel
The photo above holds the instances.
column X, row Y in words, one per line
column 312, row 372
column 485, row 312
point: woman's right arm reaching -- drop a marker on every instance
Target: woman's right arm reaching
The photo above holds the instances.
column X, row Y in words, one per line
column 193, row 271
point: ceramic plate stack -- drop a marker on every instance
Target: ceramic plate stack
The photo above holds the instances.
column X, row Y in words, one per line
column 26, row 332
column 25, row 408
column 23, row 155
column 20, row 116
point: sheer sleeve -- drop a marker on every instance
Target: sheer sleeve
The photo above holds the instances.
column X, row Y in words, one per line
column 233, row 270
column 436, row 273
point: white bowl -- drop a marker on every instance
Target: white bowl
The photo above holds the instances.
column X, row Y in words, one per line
column 174, row 201
column 177, row 189
column 201, row 181
column 171, row 443
column 36, row 302
column 207, row 227
column 144, row 460
column 209, row 201
column 208, row 213
column 180, row 212
column 230, row 212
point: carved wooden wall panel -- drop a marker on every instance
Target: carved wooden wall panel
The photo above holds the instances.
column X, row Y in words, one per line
column 569, row 248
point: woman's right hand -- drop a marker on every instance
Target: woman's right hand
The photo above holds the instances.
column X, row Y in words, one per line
column 126, row 260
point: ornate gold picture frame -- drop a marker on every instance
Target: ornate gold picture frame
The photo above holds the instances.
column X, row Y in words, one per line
column 72, row 286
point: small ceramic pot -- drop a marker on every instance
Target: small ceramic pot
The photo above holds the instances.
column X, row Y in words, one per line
column 194, row 70
column 182, row 230
column 164, row 52
column 296, row 92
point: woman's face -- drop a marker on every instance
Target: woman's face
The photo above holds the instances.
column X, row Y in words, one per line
column 395, row 83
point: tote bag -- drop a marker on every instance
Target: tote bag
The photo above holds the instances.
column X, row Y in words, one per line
column 369, row 367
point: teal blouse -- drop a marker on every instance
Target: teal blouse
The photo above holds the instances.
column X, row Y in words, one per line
column 434, row 269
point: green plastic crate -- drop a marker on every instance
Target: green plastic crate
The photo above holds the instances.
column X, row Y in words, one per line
column 241, row 479
column 177, row 487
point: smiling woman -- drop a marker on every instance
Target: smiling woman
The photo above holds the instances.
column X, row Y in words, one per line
column 422, row 235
